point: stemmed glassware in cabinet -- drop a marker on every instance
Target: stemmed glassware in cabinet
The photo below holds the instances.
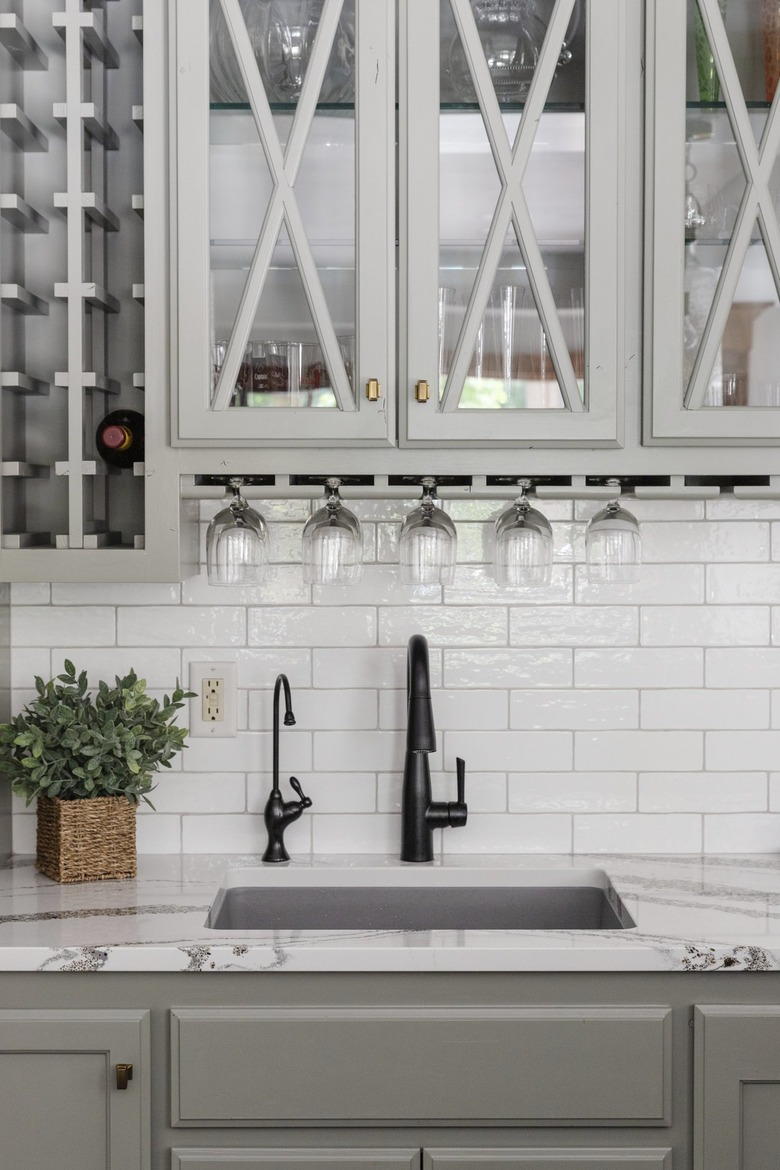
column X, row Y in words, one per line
column 429, row 542
column 332, row 542
column 613, row 544
column 237, row 543
column 523, row 553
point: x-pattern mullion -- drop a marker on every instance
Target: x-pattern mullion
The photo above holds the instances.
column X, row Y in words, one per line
column 511, row 164
column 757, row 162
column 283, row 205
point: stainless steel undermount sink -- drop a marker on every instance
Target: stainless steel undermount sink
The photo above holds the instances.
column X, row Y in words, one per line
column 413, row 899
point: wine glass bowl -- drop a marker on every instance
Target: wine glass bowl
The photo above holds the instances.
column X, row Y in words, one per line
column 613, row 546
column 332, row 543
column 237, row 543
column 428, row 543
column 523, row 550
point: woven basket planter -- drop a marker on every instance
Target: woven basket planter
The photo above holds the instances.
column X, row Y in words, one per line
column 86, row 840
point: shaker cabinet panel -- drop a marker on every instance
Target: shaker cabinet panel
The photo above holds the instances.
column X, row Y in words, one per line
column 526, row 1065
column 737, row 1079
column 294, row 1159
column 60, row 1103
column 548, row 1159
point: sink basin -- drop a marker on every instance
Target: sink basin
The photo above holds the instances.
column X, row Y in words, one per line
column 412, row 899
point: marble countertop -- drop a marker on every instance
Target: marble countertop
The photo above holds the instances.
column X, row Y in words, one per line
column 692, row 913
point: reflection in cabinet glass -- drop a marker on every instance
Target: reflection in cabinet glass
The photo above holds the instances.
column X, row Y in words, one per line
column 714, row 318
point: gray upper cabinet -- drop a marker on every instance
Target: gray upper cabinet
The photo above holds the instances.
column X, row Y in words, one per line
column 713, row 262
column 510, row 248
column 284, row 227
column 509, row 223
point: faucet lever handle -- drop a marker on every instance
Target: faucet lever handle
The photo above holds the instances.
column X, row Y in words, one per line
column 295, row 784
column 460, row 767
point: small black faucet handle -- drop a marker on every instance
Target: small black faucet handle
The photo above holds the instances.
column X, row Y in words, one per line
column 460, row 766
column 295, row 784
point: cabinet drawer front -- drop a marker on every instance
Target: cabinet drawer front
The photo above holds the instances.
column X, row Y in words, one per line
column 590, row 1065
column 548, row 1159
column 337, row 1159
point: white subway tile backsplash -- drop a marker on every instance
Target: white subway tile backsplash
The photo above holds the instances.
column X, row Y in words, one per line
column 181, row 626
column 293, row 626
column 56, row 625
column 502, row 669
column 504, row 751
column 571, row 792
column 375, row 751
column 705, row 625
column 641, row 667
column 362, row 833
column 727, row 667
column 731, row 751
column 509, row 833
column 638, row 833
column 444, row 625
column 193, row 792
column 658, row 585
column 715, row 709
column 158, row 833
column 742, row 833
column 114, row 593
column 733, row 585
column 720, row 792
column 283, row 585
column 475, row 586
column 609, row 625
column 661, row 751
column 705, row 541
column 577, row 709
column 370, row 668
column 591, row 718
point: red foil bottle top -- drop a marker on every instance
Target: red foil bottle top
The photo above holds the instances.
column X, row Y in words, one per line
column 116, row 438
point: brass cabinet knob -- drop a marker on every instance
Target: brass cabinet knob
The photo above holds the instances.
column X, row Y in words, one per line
column 422, row 391
column 373, row 390
column 124, row 1073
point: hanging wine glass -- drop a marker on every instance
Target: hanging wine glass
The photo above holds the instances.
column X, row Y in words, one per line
column 523, row 553
column 429, row 542
column 332, row 542
column 613, row 544
column 237, row 543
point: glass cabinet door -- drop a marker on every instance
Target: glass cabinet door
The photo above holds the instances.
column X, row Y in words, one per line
column 285, row 220
column 714, row 245
column 511, row 249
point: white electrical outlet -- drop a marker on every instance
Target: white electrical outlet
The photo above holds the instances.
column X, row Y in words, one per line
column 213, row 709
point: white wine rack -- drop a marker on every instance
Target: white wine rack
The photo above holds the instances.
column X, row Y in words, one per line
column 82, row 210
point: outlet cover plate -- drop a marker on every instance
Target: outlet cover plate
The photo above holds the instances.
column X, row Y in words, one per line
column 200, row 672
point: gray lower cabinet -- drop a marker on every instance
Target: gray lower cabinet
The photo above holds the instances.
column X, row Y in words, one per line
column 62, row 1100
column 737, row 1076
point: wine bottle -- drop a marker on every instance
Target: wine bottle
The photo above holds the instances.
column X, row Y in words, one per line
column 120, row 438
